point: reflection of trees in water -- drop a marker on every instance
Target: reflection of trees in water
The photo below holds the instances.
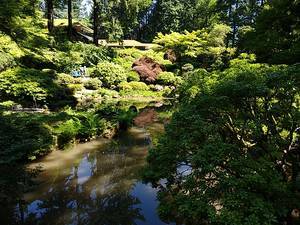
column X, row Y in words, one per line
column 107, row 209
column 103, row 198
column 14, row 181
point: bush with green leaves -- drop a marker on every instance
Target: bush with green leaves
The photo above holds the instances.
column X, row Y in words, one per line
column 194, row 82
column 110, row 74
column 92, row 54
column 133, row 86
column 28, row 136
column 168, row 78
column 67, row 131
column 231, row 153
column 7, row 105
column 64, row 79
column 9, row 52
column 92, row 84
column 23, row 137
column 31, row 87
column 187, row 67
column 108, row 93
column 133, row 76
column 70, row 56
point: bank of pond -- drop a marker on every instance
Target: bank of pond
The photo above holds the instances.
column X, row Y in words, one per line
column 94, row 177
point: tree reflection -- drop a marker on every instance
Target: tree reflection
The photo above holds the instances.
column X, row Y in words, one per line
column 95, row 189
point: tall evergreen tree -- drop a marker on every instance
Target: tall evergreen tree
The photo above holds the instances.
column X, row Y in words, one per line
column 70, row 23
column 95, row 21
column 50, row 15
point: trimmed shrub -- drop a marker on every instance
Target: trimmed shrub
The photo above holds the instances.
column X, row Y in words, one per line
column 63, row 78
column 93, row 84
column 133, row 76
column 168, row 78
column 75, row 87
column 110, row 74
column 133, row 86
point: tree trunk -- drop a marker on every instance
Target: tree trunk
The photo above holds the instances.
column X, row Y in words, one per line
column 96, row 22
column 230, row 21
column 70, row 23
column 234, row 24
column 50, row 17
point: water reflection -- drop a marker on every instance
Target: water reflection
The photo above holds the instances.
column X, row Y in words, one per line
column 95, row 183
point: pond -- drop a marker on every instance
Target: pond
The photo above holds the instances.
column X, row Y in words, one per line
column 93, row 183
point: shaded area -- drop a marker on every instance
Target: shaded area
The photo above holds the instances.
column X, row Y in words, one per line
column 94, row 183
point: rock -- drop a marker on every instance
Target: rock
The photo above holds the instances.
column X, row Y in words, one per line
column 170, row 55
column 158, row 88
column 147, row 69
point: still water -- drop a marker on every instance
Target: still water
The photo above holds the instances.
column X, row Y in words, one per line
column 95, row 183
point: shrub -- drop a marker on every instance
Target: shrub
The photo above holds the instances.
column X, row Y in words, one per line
column 133, row 86
column 67, row 131
column 63, row 78
column 7, row 105
column 22, row 137
column 75, row 87
column 9, row 52
column 93, row 84
column 73, row 55
column 168, row 78
column 232, row 153
column 92, row 54
column 187, row 67
column 23, row 85
column 125, row 86
column 133, row 76
column 6, row 61
column 110, row 74
column 91, row 125
column 129, row 55
column 33, row 87
column 194, row 82
column 10, row 47
column 139, row 86
column 108, row 93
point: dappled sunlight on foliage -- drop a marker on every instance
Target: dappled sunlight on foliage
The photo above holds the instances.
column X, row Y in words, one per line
column 231, row 136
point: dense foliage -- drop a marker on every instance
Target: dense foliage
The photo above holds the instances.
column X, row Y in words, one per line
column 203, row 47
column 230, row 154
column 276, row 36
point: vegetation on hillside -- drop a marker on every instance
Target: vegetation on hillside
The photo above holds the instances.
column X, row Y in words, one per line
column 230, row 154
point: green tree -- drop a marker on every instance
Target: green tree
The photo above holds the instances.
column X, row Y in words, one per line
column 231, row 154
column 276, row 37
column 202, row 47
column 50, row 15
column 11, row 10
column 70, row 23
column 179, row 15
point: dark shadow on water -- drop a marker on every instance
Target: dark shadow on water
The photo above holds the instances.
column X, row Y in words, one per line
column 95, row 183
